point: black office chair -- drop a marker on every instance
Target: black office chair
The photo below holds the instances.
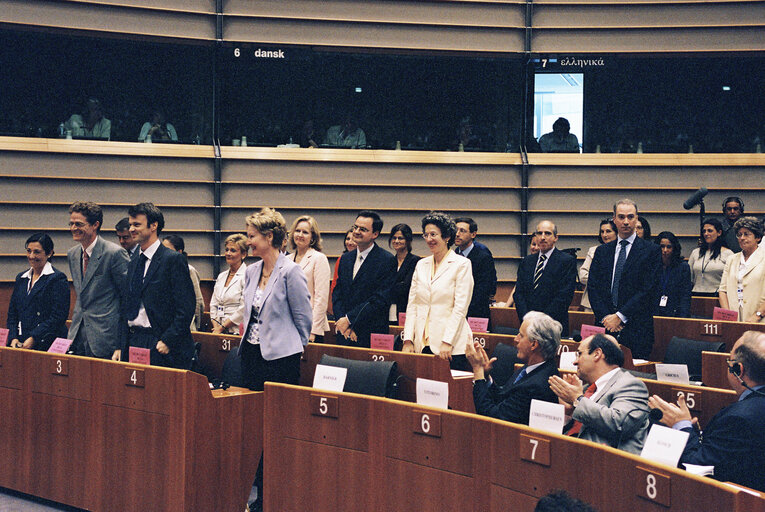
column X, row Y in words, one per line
column 504, row 367
column 688, row 352
column 501, row 329
column 376, row 378
column 232, row 369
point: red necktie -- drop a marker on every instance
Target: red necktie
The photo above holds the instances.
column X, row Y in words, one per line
column 577, row 427
column 85, row 259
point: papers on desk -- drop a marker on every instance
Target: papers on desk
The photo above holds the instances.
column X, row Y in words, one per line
column 547, row 416
column 461, row 374
column 639, row 361
column 433, row 393
column 699, row 470
column 329, row 378
column 664, row 445
column 288, row 146
column 60, row 346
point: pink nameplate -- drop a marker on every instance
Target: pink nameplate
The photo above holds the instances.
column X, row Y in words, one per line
column 401, row 319
column 60, row 346
column 139, row 355
column 4, row 337
column 589, row 330
column 381, row 341
column 725, row 314
column 478, row 324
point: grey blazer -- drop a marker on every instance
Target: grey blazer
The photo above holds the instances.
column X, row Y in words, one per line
column 99, row 292
column 619, row 416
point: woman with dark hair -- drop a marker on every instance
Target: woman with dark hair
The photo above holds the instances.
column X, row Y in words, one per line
column 39, row 305
column 176, row 243
column 742, row 287
column 606, row 233
column 439, row 297
column 707, row 261
column 675, row 280
column 400, row 241
column 643, row 228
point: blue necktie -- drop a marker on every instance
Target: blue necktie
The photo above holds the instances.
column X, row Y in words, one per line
column 618, row 271
column 521, row 375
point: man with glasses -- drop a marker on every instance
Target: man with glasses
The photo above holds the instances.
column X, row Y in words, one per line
column 362, row 296
column 733, row 209
column 99, row 272
column 732, row 442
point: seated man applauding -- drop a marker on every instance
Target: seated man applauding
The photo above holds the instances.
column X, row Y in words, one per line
column 537, row 342
column 733, row 441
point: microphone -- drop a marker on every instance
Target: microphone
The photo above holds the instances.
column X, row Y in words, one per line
column 655, row 415
column 695, row 198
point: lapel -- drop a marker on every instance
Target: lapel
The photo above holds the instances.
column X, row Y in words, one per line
column 77, row 269
column 756, row 260
column 41, row 283
column 445, row 264
column 154, row 264
column 275, row 274
column 608, row 385
column 93, row 262
column 364, row 267
column 549, row 267
column 635, row 250
column 306, row 259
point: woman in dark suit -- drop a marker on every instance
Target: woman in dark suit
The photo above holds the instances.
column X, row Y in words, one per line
column 401, row 242
column 40, row 302
column 674, row 295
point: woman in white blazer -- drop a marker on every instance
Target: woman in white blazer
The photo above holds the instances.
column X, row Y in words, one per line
column 305, row 240
column 227, row 301
column 439, row 297
column 745, row 271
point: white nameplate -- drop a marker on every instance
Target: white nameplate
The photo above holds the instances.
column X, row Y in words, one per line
column 664, row 445
column 547, row 416
column 677, row 373
column 567, row 361
column 433, row 393
column 329, row 378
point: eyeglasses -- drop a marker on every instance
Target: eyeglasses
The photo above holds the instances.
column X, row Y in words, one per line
column 78, row 224
column 427, row 236
column 744, row 234
column 359, row 228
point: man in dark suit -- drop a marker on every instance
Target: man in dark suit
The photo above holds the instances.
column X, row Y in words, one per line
column 732, row 442
column 537, row 341
column 160, row 302
column 362, row 296
column 546, row 280
column 484, row 272
column 623, row 283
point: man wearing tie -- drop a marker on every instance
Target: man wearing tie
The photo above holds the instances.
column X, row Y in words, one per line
column 546, row 280
column 484, row 271
column 98, row 269
column 160, row 301
column 538, row 340
column 623, row 282
column 361, row 298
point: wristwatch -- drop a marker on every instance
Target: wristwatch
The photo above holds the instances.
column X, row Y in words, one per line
column 578, row 399
column 759, row 314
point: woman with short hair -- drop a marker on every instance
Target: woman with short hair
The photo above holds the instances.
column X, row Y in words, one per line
column 227, row 302
column 742, row 287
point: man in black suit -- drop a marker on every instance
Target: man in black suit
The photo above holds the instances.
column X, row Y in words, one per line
column 537, row 341
column 160, row 300
column 546, row 280
column 362, row 296
column 623, row 283
column 484, row 272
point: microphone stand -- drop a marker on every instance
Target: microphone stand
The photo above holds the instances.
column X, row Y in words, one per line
column 702, row 214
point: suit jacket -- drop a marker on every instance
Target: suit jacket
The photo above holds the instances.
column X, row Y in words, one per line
column 440, row 303
column 512, row 402
column 99, row 294
column 555, row 288
column 676, row 284
column 366, row 299
column 637, row 292
column 619, row 416
column 484, row 279
column 168, row 297
column 42, row 313
column 315, row 266
column 229, row 299
column 733, row 443
column 754, row 282
column 285, row 317
column 403, row 282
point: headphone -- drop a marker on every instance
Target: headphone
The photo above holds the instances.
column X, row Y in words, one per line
column 735, row 369
column 735, row 200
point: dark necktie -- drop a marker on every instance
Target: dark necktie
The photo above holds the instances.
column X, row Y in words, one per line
column 136, row 283
column 618, row 271
column 577, row 426
column 539, row 269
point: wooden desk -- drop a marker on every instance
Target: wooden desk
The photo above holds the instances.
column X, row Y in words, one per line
column 351, row 452
column 714, row 369
column 508, row 317
column 704, row 307
column 703, row 401
column 214, row 350
column 104, row 435
column 696, row 329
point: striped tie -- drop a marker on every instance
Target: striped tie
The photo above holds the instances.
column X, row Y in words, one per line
column 538, row 271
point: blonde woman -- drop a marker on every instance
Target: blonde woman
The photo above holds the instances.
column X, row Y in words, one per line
column 227, row 301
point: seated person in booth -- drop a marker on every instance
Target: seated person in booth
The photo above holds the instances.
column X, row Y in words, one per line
column 436, row 321
column 124, row 237
column 362, row 296
column 482, row 262
column 707, row 261
column 623, row 282
column 159, row 303
column 537, row 342
column 227, row 300
column 607, row 233
column 675, row 280
column 546, row 280
column 176, row 243
column 347, row 135
column 733, row 440
column 400, row 241
column 157, row 129
column 39, row 305
column 91, row 123
column 732, row 209
column 559, row 140
column 613, row 409
column 742, row 287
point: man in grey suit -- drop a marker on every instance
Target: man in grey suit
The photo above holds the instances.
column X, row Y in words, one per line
column 613, row 410
column 99, row 275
